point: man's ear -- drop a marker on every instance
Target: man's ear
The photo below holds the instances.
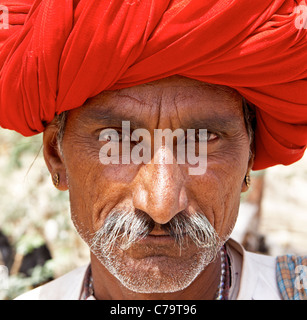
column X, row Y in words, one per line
column 245, row 185
column 54, row 159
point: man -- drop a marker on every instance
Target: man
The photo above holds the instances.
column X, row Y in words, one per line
column 154, row 230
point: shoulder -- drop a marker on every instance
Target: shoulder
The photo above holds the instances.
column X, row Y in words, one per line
column 258, row 280
column 262, row 270
column 66, row 287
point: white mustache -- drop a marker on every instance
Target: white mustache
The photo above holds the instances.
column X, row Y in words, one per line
column 125, row 227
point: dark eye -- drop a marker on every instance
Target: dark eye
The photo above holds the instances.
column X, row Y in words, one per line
column 109, row 135
column 205, row 135
column 202, row 135
column 112, row 135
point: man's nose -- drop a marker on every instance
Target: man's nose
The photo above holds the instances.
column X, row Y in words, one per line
column 160, row 191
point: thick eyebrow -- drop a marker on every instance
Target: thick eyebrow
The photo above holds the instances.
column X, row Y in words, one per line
column 218, row 124
column 108, row 117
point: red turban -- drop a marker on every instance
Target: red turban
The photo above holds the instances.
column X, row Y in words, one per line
column 56, row 54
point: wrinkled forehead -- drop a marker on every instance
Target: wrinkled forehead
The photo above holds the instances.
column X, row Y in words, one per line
column 175, row 98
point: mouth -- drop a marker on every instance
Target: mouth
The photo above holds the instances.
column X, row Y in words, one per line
column 160, row 239
column 158, row 232
column 161, row 248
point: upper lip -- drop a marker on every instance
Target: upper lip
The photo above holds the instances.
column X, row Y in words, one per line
column 158, row 233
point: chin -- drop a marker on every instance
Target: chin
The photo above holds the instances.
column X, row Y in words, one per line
column 156, row 273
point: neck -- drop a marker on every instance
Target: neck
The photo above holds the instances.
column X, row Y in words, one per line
column 204, row 287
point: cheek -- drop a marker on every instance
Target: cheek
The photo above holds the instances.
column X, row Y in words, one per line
column 217, row 192
column 94, row 189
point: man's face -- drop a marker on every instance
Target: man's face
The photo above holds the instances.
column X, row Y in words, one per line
column 157, row 193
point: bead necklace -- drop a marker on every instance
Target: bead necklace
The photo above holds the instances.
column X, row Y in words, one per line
column 221, row 287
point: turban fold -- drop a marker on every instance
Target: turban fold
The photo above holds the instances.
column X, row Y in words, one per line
column 57, row 54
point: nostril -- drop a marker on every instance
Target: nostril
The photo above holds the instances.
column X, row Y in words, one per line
column 148, row 221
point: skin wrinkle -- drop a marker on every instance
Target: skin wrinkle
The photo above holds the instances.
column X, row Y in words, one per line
column 96, row 190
